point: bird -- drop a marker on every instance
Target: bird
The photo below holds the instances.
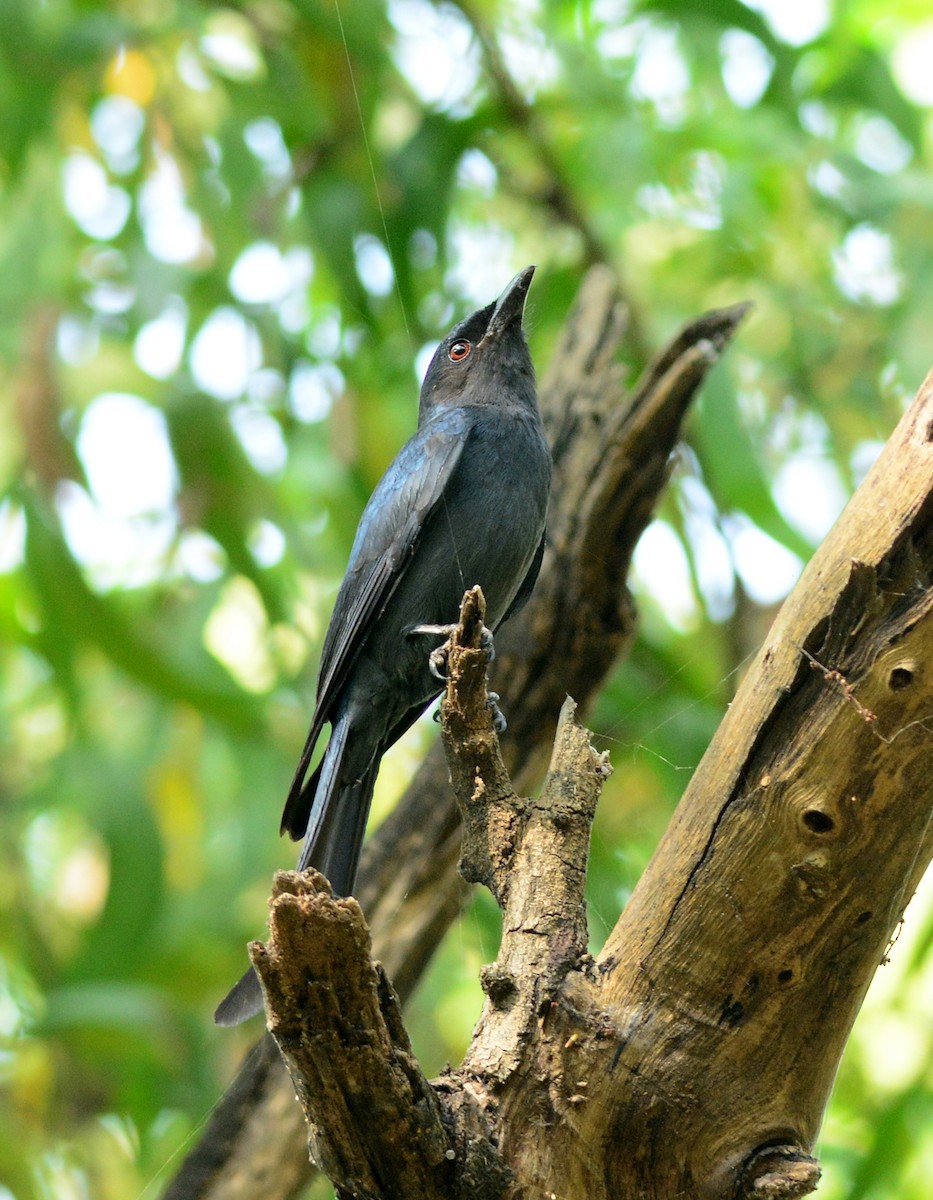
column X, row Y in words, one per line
column 464, row 502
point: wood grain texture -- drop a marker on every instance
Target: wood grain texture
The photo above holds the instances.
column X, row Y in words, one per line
column 711, row 1032
column 374, row 1121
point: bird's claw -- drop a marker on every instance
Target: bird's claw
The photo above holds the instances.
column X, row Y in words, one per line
column 437, row 663
column 437, row 659
column 499, row 723
column 432, row 630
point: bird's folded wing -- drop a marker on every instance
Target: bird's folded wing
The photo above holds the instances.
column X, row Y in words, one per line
column 384, row 547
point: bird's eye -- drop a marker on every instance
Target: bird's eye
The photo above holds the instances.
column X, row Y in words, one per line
column 458, row 351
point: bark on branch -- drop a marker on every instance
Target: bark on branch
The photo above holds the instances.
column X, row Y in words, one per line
column 751, row 939
column 532, row 856
column 377, row 1127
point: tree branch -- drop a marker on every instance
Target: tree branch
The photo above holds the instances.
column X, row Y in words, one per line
column 377, row 1128
column 376, row 1125
column 531, row 855
column 490, row 811
column 705, row 1040
column 752, row 937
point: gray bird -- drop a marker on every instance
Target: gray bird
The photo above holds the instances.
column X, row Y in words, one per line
column 463, row 502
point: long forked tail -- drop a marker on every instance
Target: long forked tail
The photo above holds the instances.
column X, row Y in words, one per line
column 332, row 844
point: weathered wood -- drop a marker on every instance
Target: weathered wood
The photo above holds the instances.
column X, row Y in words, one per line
column 491, row 814
column 375, row 1123
column 376, row 1127
column 710, row 1034
column 532, row 855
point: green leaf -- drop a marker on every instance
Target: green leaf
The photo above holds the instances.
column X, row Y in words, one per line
column 221, row 492
column 731, row 465
column 72, row 611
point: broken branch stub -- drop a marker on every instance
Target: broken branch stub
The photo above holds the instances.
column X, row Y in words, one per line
column 531, row 854
column 490, row 810
column 374, row 1121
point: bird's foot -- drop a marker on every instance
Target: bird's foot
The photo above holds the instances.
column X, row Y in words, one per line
column 499, row 723
column 437, row 663
column 437, row 659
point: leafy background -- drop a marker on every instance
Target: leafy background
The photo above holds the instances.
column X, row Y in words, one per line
column 229, row 236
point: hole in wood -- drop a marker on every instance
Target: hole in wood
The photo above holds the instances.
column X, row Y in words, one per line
column 732, row 1012
column 863, row 917
column 817, row 821
column 785, row 976
column 900, row 678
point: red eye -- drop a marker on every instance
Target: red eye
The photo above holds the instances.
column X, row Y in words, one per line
column 458, row 351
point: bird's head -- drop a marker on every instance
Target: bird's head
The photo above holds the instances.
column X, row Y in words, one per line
column 484, row 359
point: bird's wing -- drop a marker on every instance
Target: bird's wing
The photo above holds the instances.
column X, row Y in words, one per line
column 385, row 541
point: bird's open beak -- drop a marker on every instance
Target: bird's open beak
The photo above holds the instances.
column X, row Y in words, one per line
column 511, row 304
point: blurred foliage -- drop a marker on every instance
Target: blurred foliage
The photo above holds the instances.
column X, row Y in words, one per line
column 227, row 235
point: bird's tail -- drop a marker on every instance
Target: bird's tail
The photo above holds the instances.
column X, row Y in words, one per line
column 338, row 814
column 244, row 1000
column 333, row 842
